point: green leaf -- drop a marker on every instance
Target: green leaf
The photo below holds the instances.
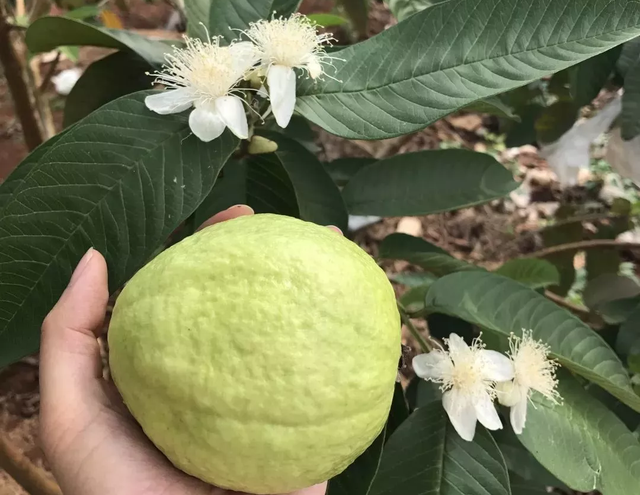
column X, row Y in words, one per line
column 84, row 12
column 629, row 334
column 524, row 132
column 609, row 287
column 426, row 455
column 582, row 443
column 629, row 56
column 534, row 273
column 120, row 180
column 358, row 477
column 419, row 252
column 492, row 105
column 49, row 33
column 630, row 116
column 343, row 169
column 399, row 410
column 521, row 462
column 105, row 80
column 413, row 300
column 520, row 486
column 435, row 62
column 412, row 279
column 555, row 235
column 402, row 9
column 327, row 20
column 268, row 187
column 589, row 77
column 319, row 199
column 503, row 306
column 227, row 17
column 427, row 182
column 230, row 189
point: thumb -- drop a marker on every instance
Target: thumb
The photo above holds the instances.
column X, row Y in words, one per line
column 70, row 362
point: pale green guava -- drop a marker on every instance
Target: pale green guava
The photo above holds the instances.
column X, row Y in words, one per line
column 259, row 354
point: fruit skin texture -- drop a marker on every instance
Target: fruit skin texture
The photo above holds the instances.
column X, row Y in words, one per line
column 259, row 354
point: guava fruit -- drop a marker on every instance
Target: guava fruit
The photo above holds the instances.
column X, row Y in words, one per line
column 259, row 354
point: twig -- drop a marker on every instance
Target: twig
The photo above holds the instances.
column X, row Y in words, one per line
column 52, row 68
column 13, row 72
column 581, row 312
column 594, row 217
column 582, row 245
column 28, row 476
column 426, row 346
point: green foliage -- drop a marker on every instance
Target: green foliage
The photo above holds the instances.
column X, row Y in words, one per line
column 429, row 70
column 225, row 18
column 419, row 252
column 139, row 177
column 426, row 182
column 111, row 77
column 503, row 306
column 533, row 273
column 48, row 33
column 607, row 459
column 425, row 455
column 404, row 8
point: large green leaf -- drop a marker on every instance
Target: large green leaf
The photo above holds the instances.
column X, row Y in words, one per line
column 120, row 180
column 227, row 17
column 268, row 187
column 454, row 53
column 522, row 462
column 343, row 169
column 630, row 116
column 504, row 306
column 534, row 273
column 422, row 253
column 105, row 80
column 230, row 189
column 588, row 77
column 49, row 33
column 358, row 477
column 583, row 443
column 402, row 9
column 427, row 182
column 426, row 455
column 319, row 199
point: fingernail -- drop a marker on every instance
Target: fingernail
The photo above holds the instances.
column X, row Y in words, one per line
column 245, row 207
column 337, row 229
column 77, row 273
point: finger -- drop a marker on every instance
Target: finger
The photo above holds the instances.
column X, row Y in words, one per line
column 70, row 361
column 228, row 214
column 336, row 229
column 319, row 489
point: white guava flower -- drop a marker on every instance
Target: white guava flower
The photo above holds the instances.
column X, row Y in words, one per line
column 532, row 370
column 203, row 74
column 282, row 45
column 468, row 376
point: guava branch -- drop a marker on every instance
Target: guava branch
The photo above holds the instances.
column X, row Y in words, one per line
column 28, row 476
column 13, row 72
column 583, row 245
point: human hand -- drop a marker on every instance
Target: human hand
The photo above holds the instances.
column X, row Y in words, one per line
column 93, row 444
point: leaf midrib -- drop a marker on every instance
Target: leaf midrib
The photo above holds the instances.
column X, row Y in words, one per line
column 463, row 65
column 134, row 166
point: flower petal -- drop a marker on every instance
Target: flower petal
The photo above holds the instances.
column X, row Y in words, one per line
column 486, row 411
column 170, row 101
column 245, row 55
column 432, row 366
column 510, row 393
column 206, row 124
column 231, row 111
column 498, row 367
column 282, row 93
column 458, row 348
column 461, row 413
column 518, row 415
